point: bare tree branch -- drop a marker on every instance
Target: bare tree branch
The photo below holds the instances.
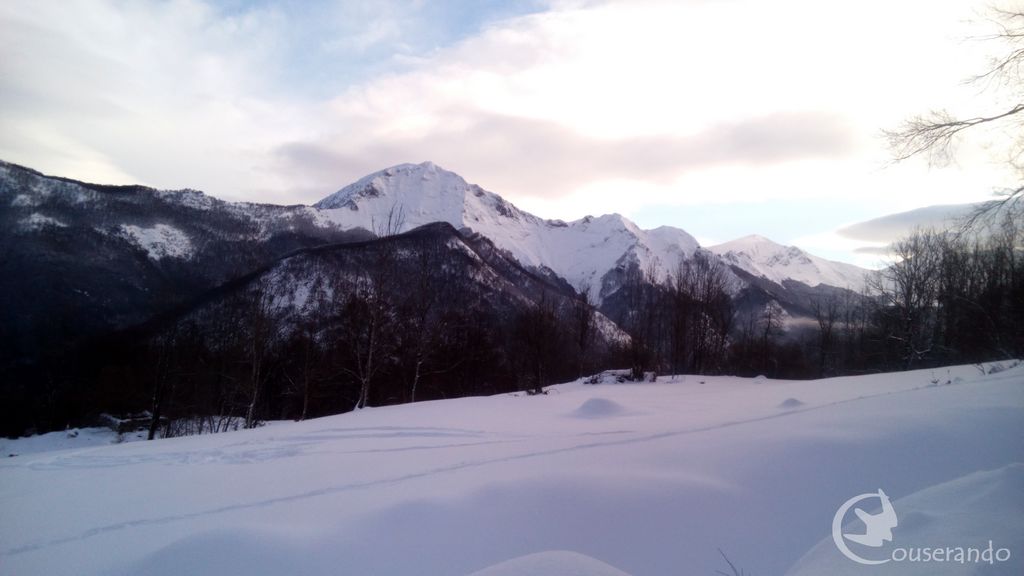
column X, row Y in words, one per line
column 935, row 133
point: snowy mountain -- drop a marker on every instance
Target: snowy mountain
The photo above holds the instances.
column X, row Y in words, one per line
column 764, row 258
column 79, row 259
column 583, row 251
column 97, row 257
column 590, row 250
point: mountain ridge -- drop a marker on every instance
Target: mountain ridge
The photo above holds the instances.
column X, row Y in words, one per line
column 763, row 257
column 586, row 252
column 582, row 251
column 84, row 268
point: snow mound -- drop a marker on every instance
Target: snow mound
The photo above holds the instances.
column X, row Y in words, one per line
column 790, row 403
column 968, row 512
column 599, row 408
column 553, row 563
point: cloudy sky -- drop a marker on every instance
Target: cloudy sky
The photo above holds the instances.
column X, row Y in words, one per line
column 722, row 117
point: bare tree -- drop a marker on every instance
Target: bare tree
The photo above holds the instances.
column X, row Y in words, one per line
column 160, row 350
column 367, row 331
column 261, row 327
column 583, row 321
column 826, row 313
column 935, row 133
column 713, row 309
column 430, row 282
column 641, row 318
column 681, row 291
column 392, row 224
column 538, row 332
column 909, row 289
column 305, row 352
column 770, row 325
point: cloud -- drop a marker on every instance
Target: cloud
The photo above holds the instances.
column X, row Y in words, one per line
column 873, row 250
column 891, row 227
column 566, row 107
column 884, row 231
column 166, row 93
column 530, row 157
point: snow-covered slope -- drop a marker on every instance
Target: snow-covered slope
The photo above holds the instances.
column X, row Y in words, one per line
column 580, row 251
column 84, row 259
column 649, row 479
column 967, row 512
column 764, row 258
column 551, row 563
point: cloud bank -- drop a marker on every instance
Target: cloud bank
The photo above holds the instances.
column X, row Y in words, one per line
column 564, row 107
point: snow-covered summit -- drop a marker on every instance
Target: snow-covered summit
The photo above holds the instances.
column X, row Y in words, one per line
column 763, row 257
column 582, row 251
column 420, row 191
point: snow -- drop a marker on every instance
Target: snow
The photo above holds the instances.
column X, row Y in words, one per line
column 66, row 440
column 580, row 251
column 46, row 188
column 560, row 562
column 790, row 403
column 192, row 199
column 159, row 241
column 762, row 257
column 598, row 408
column 37, row 221
column 962, row 513
column 23, row 201
column 644, row 479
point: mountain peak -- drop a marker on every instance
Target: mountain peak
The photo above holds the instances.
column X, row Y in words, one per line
column 750, row 241
column 583, row 251
column 766, row 258
column 393, row 181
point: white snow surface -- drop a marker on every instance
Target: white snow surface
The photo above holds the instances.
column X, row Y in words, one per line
column 159, row 241
column 580, row 251
column 648, row 479
column 763, row 257
column 65, row 440
column 560, row 562
column 967, row 512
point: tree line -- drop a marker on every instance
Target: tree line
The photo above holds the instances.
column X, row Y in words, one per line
column 395, row 320
column 405, row 319
column 948, row 297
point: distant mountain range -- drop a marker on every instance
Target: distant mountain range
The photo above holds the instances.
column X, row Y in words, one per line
column 79, row 259
column 93, row 276
column 582, row 251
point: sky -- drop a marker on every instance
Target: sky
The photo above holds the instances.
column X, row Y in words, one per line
column 721, row 117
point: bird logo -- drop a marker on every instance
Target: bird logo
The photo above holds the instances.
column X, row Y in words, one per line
column 877, row 527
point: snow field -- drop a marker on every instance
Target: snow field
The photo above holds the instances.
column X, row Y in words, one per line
column 643, row 479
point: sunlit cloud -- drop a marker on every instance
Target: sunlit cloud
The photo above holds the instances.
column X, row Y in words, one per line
column 566, row 108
